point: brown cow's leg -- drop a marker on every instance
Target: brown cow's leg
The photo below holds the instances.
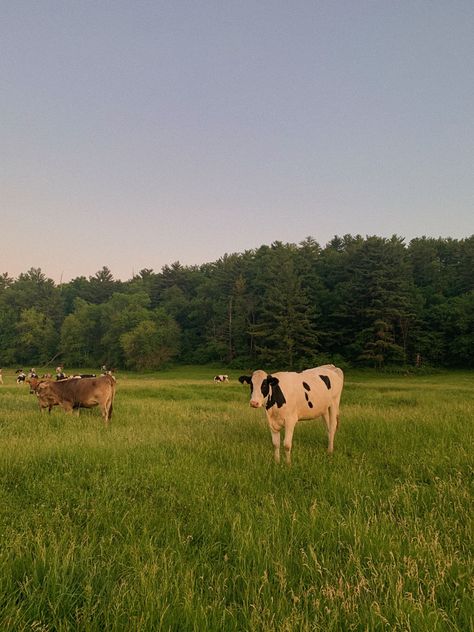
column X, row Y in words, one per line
column 105, row 414
column 67, row 407
column 107, row 410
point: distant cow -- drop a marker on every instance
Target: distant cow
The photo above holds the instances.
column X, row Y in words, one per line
column 21, row 376
column 106, row 370
column 75, row 393
column 221, row 378
column 81, row 375
column 289, row 397
column 60, row 375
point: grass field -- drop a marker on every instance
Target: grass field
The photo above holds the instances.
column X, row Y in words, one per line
column 176, row 518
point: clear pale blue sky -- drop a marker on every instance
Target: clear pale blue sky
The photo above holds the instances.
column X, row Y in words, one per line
column 134, row 134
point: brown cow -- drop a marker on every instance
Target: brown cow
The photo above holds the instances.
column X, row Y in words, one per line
column 75, row 393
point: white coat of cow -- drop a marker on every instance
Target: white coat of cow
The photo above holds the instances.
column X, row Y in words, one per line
column 289, row 397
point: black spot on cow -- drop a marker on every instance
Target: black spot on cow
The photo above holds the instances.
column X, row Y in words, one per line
column 307, row 397
column 310, row 404
column 326, row 380
column 276, row 396
column 306, row 386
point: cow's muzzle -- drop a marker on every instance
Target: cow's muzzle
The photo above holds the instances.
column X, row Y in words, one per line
column 255, row 404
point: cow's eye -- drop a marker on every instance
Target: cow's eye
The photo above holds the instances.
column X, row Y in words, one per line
column 265, row 388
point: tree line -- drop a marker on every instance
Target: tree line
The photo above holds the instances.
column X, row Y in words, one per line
column 369, row 301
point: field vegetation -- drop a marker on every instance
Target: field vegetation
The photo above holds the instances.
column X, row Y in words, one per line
column 176, row 518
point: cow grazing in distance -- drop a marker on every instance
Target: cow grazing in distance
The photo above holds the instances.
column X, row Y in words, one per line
column 289, row 397
column 60, row 375
column 81, row 375
column 21, row 376
column 75, row 393
column 221, row 378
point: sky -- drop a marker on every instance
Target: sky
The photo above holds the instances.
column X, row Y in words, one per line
column 137, row 134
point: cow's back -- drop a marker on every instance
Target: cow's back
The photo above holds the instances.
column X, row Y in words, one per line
column 333, row 378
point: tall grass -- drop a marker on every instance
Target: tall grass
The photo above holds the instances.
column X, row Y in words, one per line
column 176, row 518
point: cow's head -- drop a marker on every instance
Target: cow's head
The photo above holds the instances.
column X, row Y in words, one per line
column 264, row 389
column 46, row 395
column 34, row 382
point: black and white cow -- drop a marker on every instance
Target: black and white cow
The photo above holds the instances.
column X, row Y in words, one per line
column 289, row 397
column 60, row 375
column 81, row 375
column 221, row 378
column 21, row 376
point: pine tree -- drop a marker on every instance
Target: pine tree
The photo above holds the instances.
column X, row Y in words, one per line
column 379, row 302
column 284, row 332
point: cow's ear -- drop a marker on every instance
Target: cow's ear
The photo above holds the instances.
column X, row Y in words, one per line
column 273, row 381
column 244, row 379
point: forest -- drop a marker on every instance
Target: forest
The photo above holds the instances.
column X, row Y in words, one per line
column 357, row 301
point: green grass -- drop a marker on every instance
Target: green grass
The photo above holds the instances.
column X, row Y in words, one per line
column 176, row 518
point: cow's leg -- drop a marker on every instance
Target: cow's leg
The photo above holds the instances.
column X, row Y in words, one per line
column 331, row 422
column 67, row 407
column 106, row 413
column 276, row 445
column 289, row 429
column 110, row 406
column 106, row 410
